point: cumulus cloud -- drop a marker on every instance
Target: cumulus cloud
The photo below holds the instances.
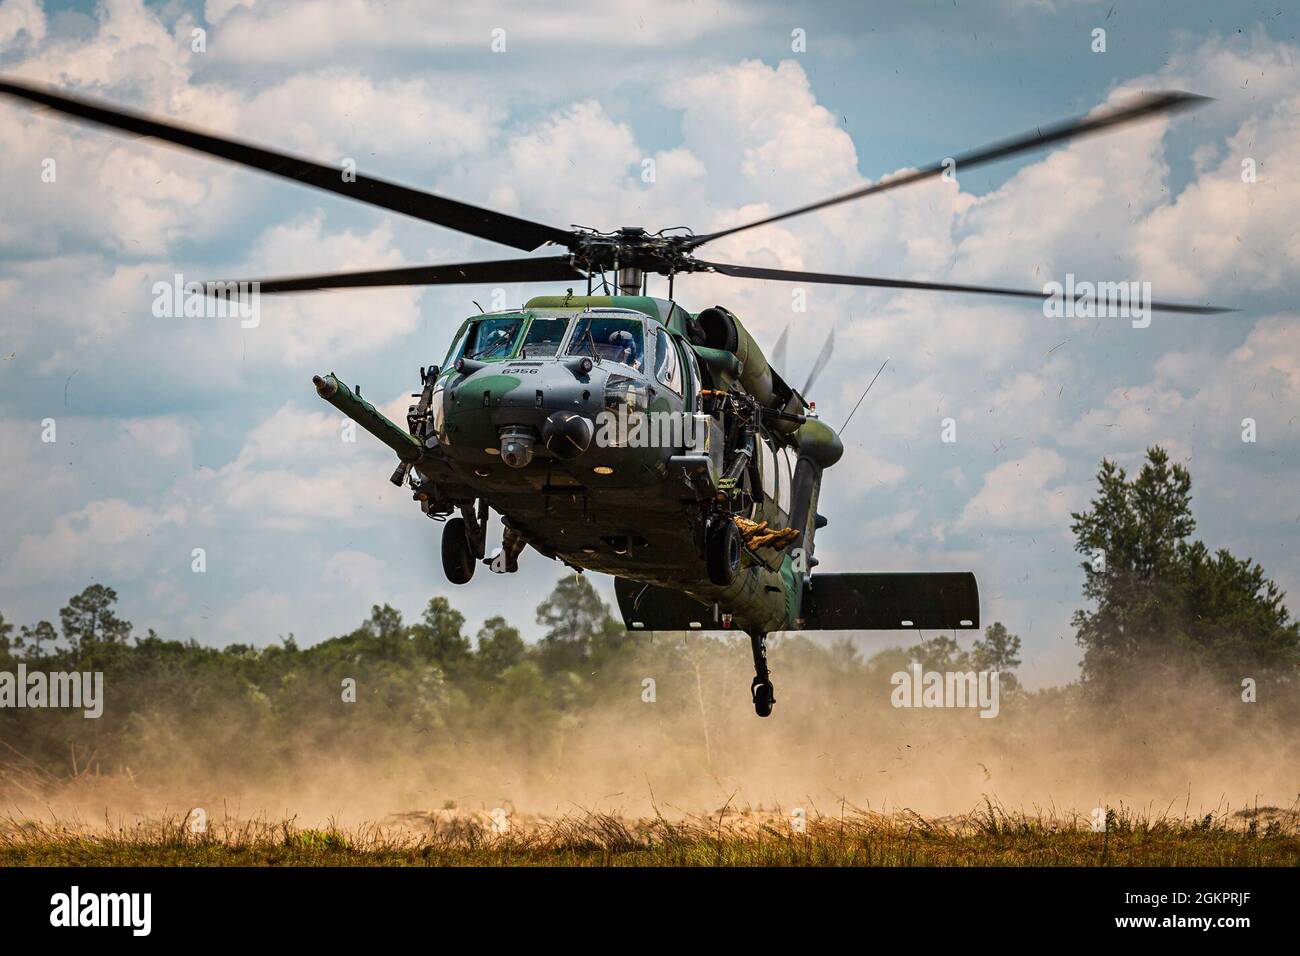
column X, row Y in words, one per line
column 283, row 31
column 1024, row 494
column 108, row 537
column 299, row 468
column 1232, row 231
column 762, row 134
column 306, row 328
column 225, row 452
column 21, row 19
column 354, row 116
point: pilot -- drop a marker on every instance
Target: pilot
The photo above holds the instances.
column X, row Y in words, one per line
column 625, row 346
column 496, row 341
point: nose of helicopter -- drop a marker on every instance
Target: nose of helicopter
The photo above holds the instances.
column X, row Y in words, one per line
column 564, row 434
column 515, row 410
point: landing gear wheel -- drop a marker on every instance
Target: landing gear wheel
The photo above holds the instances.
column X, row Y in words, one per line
column 761, row 688
column 457, row 555
column 722, row 552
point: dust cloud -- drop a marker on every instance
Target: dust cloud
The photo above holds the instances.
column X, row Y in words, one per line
column 674, row 733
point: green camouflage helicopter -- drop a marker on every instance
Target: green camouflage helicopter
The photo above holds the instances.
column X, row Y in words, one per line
column 622, row 433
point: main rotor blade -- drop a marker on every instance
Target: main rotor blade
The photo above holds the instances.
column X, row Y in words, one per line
column 777, row 360
column 546, row 269
column 786, row 275
column 823, row 358
column 1145, row 106
column 484, row 223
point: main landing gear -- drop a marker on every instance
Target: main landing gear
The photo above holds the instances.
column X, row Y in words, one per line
column 722, row 551
column 761, row 688
column 462, row 543
column 458, row 558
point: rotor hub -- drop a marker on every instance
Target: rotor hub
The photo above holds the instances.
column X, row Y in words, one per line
column 632, row 248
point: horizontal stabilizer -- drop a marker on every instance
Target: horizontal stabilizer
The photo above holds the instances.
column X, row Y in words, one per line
column 891, row 602
column 831, row 602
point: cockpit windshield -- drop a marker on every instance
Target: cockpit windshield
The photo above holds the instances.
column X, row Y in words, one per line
column 489, row 338
column 544, row 337
column 618, row 340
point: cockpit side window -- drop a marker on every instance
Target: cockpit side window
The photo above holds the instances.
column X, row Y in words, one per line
column 785, row 478
column 667, row 368
column 457, row 346
column 490, row 338
column 693, row 379
column 618, row 340
column 544, row 337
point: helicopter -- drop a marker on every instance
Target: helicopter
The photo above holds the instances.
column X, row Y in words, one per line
column 621, row 433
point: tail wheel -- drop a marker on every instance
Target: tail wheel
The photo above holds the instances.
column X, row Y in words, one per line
column 763, row 697
column 722, row 552
column 457, row 555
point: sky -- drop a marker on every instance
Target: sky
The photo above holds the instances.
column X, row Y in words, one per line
column 176, row 434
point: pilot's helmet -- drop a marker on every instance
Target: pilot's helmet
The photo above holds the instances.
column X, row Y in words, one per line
column 625, row 342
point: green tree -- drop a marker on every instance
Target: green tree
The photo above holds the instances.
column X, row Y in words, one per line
column 940, row 653
column 578, row 624
column 438, row 636
column 31, row 637
column 90, row 619
column 386, row 631
column 1161, row 600
column 998, row 651
column 499, row 648
column 1233, row 615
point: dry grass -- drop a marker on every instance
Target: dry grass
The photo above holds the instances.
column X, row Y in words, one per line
column 991, row 836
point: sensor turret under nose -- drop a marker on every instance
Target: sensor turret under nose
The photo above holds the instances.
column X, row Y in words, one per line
column 517, row 446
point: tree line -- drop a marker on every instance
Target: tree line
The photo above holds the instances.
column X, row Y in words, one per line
column 1158, row 603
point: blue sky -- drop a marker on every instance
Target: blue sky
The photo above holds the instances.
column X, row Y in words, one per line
column 175, row 434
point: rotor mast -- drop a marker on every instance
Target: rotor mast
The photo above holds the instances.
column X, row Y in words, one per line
column 630, row 280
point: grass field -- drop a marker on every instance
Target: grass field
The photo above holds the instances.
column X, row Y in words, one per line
column 989, row 837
